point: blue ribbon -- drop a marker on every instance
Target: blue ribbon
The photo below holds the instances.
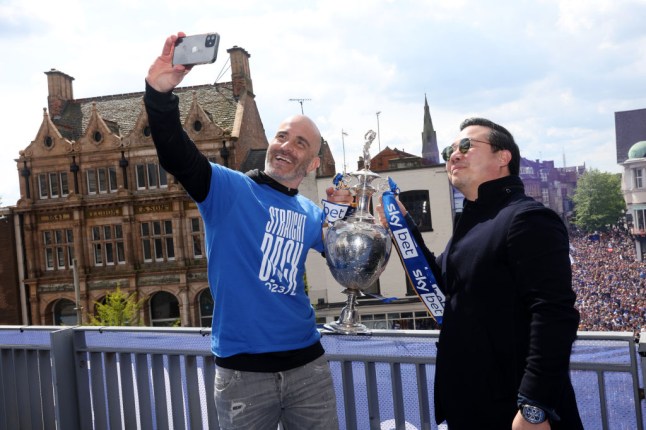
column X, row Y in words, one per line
column 417, row 268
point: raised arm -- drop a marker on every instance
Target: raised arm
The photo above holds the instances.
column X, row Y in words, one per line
column 177, row 153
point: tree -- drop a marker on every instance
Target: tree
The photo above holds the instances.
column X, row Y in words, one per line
column 598, row 201
column 119, row 309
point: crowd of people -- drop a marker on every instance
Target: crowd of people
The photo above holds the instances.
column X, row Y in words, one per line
column 609, row 282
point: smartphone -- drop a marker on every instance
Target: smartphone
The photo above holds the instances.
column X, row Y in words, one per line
column 196, row 49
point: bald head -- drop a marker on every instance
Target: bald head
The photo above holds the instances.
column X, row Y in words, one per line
column 309, row 128
column 293, row 152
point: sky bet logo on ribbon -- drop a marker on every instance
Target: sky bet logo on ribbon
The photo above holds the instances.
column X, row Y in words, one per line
column 405, row 243
column 334, row 211
column 417, row 268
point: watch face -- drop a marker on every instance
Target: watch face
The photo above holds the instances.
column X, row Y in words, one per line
column 533, row 414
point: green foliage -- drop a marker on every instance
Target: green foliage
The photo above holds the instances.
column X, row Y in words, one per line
column 598, row 200
column 119, row 309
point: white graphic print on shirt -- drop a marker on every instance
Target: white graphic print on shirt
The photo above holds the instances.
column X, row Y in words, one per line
column 282, row 247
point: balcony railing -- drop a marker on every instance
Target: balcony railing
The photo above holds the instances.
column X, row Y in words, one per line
column 151, row 378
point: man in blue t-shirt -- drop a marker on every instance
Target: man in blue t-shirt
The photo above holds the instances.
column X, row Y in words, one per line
column 270, row 364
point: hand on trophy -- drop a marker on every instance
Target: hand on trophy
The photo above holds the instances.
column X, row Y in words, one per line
column 342, row 196
column 382, row 215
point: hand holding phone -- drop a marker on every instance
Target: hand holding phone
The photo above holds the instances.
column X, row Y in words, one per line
column 196, row 49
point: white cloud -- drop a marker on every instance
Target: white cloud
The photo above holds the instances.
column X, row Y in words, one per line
column 553, row 72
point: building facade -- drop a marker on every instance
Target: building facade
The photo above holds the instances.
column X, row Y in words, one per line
column 633, row 187
column 552, row 186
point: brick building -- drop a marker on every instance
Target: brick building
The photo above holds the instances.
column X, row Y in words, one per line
column 95, row 201
column 393, row 159
column 550, row 185
column 10, row 312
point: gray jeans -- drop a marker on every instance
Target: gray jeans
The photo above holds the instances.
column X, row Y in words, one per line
column 300, row 399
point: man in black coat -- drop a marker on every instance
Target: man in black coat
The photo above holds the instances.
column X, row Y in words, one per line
column 509, row 320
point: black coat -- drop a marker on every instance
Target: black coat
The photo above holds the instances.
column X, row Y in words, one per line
column 509, row 321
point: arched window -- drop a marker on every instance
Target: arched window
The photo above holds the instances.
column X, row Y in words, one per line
column 419, row 207
column 206, row 308
column 164, row 310
column 64, row 312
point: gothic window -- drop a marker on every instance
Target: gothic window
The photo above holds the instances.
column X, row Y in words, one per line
column 419, row 207
column 65, row 189
column 206, row 308
column 59, row 249
column 43, row 188
column 157, row 241
column 53, row 185
column 150, row 176
column 638, row 175
column 101, row 180
column 164, row 310
column 64, row 313
column 112, row 179
column 91, row 181
column 108, row 245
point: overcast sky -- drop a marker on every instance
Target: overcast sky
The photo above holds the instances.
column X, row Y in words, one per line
column 553, row 72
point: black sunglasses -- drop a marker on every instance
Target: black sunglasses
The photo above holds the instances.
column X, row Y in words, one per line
column 463, row 146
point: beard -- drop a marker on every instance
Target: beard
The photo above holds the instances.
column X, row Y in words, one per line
column 286, row 172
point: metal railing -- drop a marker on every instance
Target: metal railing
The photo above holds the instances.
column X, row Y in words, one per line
column 154, row 378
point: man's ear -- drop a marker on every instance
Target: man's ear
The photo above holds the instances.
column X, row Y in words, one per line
column 314, row 164
column 505, row 157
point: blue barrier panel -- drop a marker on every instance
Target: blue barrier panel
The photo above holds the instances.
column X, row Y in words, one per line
column 604, row 373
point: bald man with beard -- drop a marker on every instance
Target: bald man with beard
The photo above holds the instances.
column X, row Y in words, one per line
column 270, row 364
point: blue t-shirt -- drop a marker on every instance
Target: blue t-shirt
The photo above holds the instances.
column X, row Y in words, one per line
column 257, row 240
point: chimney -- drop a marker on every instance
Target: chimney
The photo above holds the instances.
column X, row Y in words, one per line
column 59, row 86
column 240, row 75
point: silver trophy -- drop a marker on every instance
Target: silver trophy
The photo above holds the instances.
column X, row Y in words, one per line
column 356, row 248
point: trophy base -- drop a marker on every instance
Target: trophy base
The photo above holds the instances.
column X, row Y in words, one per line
column 348, row 322
column 349, row 329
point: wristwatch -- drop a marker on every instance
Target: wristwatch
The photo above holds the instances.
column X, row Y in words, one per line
column 533, row 414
